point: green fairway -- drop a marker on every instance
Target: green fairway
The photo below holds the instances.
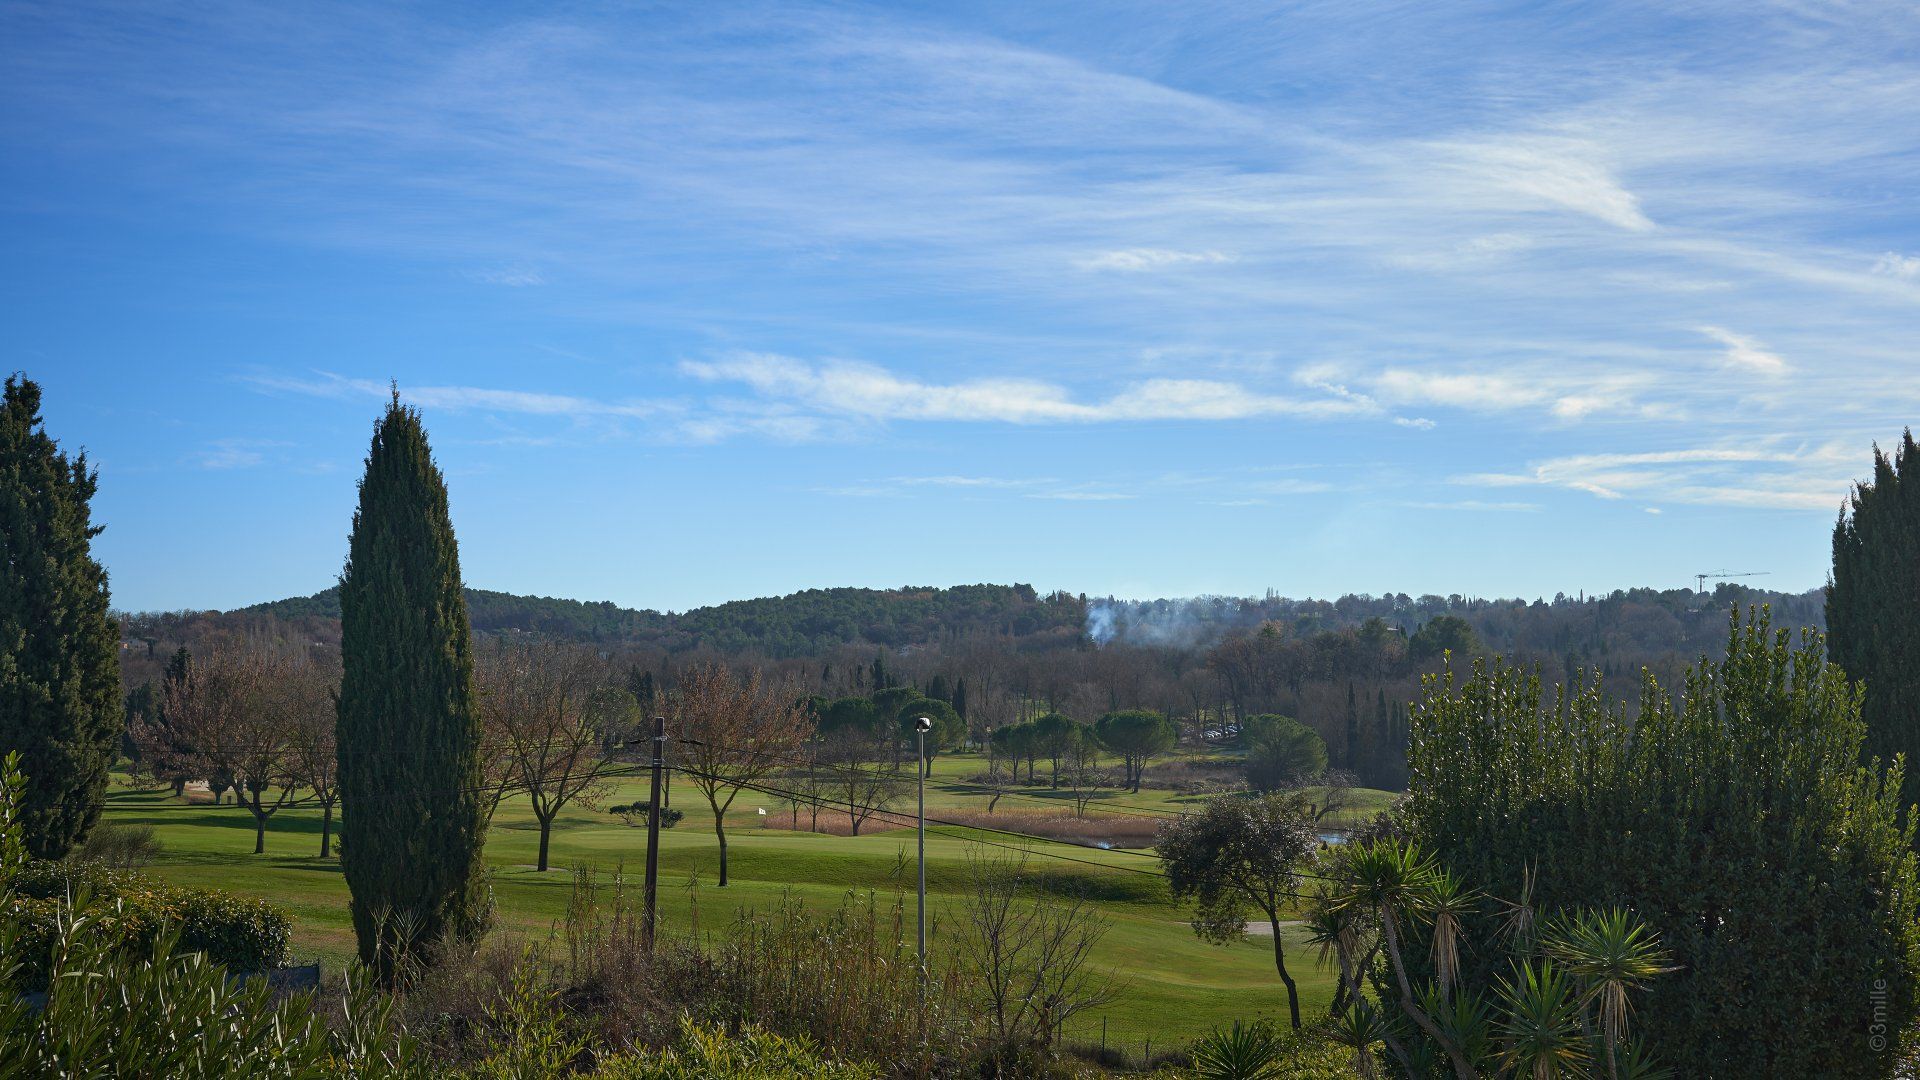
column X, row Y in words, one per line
column 1173, row 986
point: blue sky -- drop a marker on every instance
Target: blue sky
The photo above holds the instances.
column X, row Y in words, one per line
column 712, row 301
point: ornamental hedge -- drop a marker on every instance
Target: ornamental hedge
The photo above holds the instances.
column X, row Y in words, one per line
column 240, row 933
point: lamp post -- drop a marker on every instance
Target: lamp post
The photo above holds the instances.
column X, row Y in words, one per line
column 921, row 725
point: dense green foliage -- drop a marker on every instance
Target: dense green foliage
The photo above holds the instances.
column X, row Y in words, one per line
column 408, row 732
column 800, row 624
column 169, row 1011
column 60, row 696
column 1054, row 737
column 707, row 1053
column 1442, row 635
column 1281, row 752
column 1136, row 735
column 1873, row 604
column 1736, row 822
column 240, row 933
column 948, row 729
column 1239, row 857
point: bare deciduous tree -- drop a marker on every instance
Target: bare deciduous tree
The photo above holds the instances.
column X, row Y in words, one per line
column 551, row 707
column 245, row 711
column 738, row 732
column 316, row 759
column 853, row 771
column 1031, row 951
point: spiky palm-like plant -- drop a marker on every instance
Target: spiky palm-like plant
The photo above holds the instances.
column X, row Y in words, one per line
column 1447, row 902
column 1393, row 881
column 1243, row 1052
column 1360, row 1029
column 1611, row 954
column 1541, row 1022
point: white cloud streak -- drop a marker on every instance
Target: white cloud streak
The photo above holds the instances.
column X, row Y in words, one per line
column 1740, row 476
column 847, row 388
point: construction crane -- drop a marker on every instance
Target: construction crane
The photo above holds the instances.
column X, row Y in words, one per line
column 1700, row 580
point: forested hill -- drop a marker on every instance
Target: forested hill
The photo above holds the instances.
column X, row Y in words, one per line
column 805, row 623
column 1621, row 629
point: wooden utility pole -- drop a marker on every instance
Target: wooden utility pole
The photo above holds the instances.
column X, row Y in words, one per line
column 653, row 832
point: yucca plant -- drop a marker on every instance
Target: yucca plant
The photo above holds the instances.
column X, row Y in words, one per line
column 1446, row 904
column 1360, row 1028
column 1344, row 937
column 1611, row 954
column 1242, row 1052
column 1466, row 1021
column 1632, row 1061
column 1393, row 882
column 1542, row 1021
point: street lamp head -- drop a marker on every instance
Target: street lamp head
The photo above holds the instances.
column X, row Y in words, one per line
column 923, row 724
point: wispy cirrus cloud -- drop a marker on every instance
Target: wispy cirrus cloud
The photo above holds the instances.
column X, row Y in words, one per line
column 849, row 388
column 1745, row 354
column 1570, row 173
column 1759, row 476
column 1142, row 259
column 238, row 453
column 1895, row 265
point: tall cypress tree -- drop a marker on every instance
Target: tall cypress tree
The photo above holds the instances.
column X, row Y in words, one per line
column 412, row 826
column 1873, row 604
column 60, row 701
column 1352, row 750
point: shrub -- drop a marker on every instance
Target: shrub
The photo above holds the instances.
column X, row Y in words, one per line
column 239, row 933
column 165, row 1011
column 1281, row 752
column 118, row 847
column 711, row 1053
column 635, row 814
column 1738, row 823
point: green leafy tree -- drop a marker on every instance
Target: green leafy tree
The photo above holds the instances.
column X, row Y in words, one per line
column 1735, row 819
column 1240, row 856
column 1873, row 621
column 948, row 728
column 1054, row 736
column 1017, row 743
column 1136, row 735
column 887, row 703
column 60, row 701
column 1441, row 635
column 409, row 731
column 850, row 714
column 1281, row 752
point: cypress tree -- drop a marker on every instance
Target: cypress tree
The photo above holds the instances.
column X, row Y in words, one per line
column 1353, row 731
column 1873, row 604
column 960, row 696
column 60, row 703
column 412, row 825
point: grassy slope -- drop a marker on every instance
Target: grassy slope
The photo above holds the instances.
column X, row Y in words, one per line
column 1174, row 986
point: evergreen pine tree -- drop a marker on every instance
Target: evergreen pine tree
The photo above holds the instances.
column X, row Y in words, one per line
column 1382, row 740
column 1873, row 604
column 412, row 826
column 60, row 703
column 1352, row 754
column 640, row 684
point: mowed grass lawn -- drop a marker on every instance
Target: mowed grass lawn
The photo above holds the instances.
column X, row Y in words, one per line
column 1173, row 987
